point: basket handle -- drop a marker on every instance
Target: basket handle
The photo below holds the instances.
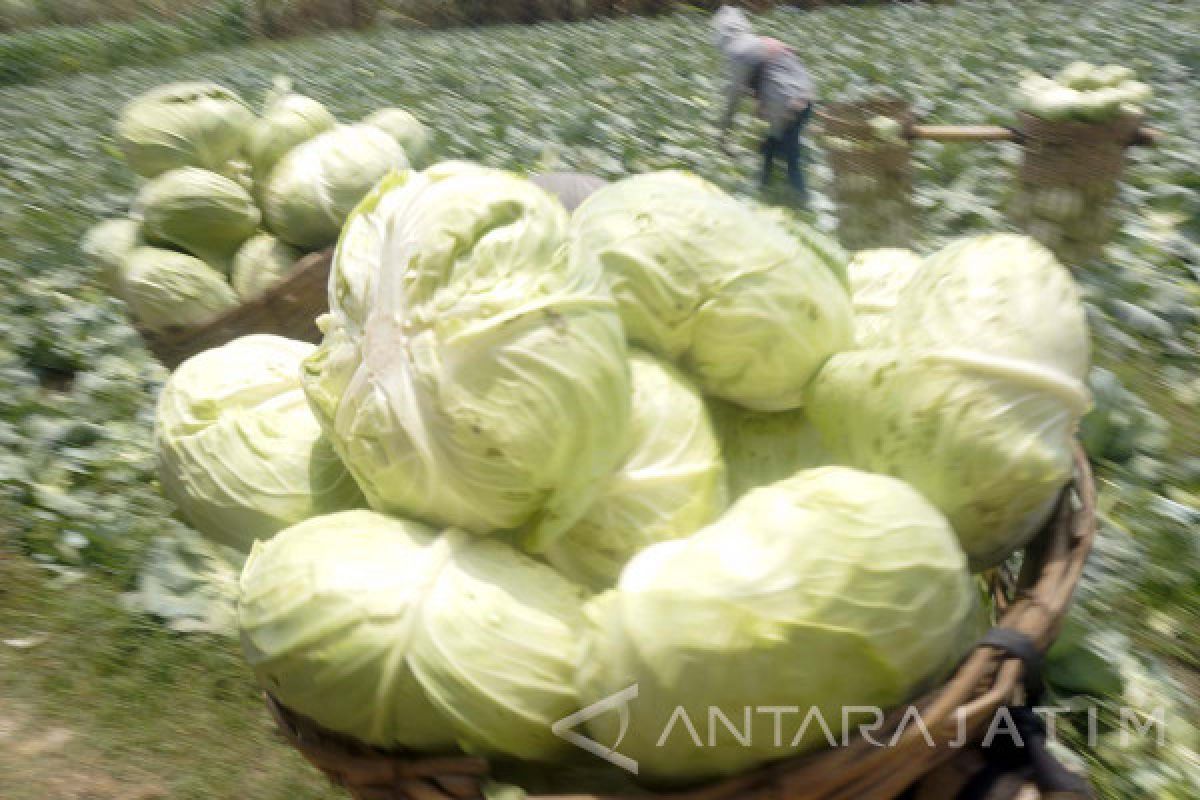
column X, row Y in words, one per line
column 1021, row 646
column 1031, row 758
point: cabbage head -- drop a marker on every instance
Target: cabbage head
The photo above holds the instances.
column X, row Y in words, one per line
column 199, row 211
column 827, row 249
column 877, row 278
column 288, row 120
column 107, row 244
column 386, row 630
column 315, row 186
column 831, row 589
column 715, row 286
column 762, row 447
column 671, row 483
column 1001, row 294
column 986, row 439
column 487, row 386
column 260, row 262
column 359, row 252
column 182, row 125
column 164, row 289
column 239, row 451
column 408, row 132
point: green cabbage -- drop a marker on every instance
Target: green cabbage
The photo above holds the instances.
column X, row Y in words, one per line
column 287, row 121
column 1001, row 294
column 987, row 439
column 1057, row 203
column 1082, row 75
column 182, row 125
column 239, row 451
column 1083, row 92
column 315, row 186
column 384, row 630
column 360, row 249
column 877, row 278
column 198, row 211
column 762, row 447
column 831, row 589
column 886, row 129
column 408, row 132
column 824, row 247
column 487, row 386
column 715, row 286
column 108, row 244
column 671, row 483
column 260, row 263
column 163, row 289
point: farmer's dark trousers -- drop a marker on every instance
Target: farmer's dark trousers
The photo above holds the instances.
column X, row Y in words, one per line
column 788, row 145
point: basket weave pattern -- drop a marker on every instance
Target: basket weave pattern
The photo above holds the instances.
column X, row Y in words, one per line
column 986, row 680
column 872, row 184
column 289, row 308
column 1086, row 159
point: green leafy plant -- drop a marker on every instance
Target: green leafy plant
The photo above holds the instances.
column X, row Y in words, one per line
column 702, row 280
column 287, row 120
column 671, row 482
column 766, row 608
column 501, row 398
column 762, row 447
column 239, row 451
column 42, row 53
column 313, row 187
column 107, row 244
column 164, row 288
column 407, row 130
column 441, row 639
column 260, row 262
column 877, row 279
column 199, row 211
column 182, row 125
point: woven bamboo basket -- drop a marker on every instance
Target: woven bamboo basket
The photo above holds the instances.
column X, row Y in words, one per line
column 289, row 308
column 1074, row 153
column 1085, row 158
column 872, row 185
column 1033, row 604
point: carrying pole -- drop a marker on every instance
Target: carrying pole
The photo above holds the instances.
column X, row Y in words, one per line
column 1144, row 137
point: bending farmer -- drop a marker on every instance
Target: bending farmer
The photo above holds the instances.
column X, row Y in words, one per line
column 767, row 69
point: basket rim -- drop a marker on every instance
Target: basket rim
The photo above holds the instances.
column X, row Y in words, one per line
column 985, row 680
column 852, row 119
column 174, row 344
column 1122, row 129
column 294, row 275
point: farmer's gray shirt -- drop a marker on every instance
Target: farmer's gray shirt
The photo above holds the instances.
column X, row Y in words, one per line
column 784, row 79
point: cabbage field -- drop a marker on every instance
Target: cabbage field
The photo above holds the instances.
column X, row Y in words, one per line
column 94, row 695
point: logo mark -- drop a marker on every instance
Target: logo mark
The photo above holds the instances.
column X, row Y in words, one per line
column 619, row 702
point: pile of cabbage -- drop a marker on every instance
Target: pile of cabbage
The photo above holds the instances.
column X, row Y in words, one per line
column 1083, row 92
column 668, row 440
column 231, row 200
